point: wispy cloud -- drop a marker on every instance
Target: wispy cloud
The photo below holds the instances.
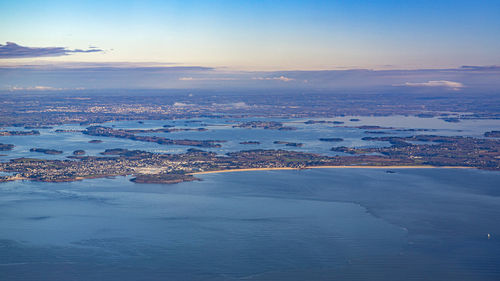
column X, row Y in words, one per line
column 13, row 50
column 207, row 79
column 40, row 88
column 280, row 78
column 436, row 83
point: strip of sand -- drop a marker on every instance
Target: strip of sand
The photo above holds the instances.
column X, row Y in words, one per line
column 331, row 167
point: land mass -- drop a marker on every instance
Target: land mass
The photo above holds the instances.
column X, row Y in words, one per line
column 287, row 143
column 331, row 139
column 249, row 142
column 19, row 133
column 22, row 109
column 267, row 125
column 46, row 151
column 102, row 131
column 147, row 167
column 6, row 146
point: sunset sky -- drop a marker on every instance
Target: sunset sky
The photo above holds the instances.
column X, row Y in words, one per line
column 255, row 36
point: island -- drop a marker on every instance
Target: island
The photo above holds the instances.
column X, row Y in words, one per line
column 450, row 119
column 102, row 131
column 331, row 139
column 287, row 143
column 67, row 131
column 310, row 122
column 6, row 146
column 79, row 152
column 19, row 133
column 267, row 125
column 249, row 142
column 373, row 127
column 164, row 178
column 46, row 151
column 348, row 150
column 37, row 127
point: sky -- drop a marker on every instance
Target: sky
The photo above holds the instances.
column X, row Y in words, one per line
column 231, row 37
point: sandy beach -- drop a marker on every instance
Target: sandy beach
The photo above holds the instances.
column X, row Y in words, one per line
column 331, row 167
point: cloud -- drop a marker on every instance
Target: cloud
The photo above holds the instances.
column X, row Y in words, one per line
column 40, row 88
column 280, row 78
column 99, row 75
column 435, row 83
column 206, row 79
column 13, row 50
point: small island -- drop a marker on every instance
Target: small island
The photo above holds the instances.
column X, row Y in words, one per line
column 37, row 127
column 267, row 125
column 294, row 144
column 163, row 178
column 67, row 131
column 6, row 146
column 79, row 152
column 374, row 127
column 95, row 141
column 451, row 120
column 331, row 139
column 114, row 151
column 310, row 122
column 249, row 142
column 345, row 149
column 46, row 151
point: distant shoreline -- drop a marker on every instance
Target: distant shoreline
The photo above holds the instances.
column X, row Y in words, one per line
column 331, row 167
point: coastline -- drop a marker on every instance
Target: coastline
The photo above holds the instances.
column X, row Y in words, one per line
column 331, row 167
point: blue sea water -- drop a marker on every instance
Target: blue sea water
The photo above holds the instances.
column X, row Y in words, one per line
column 319, row 224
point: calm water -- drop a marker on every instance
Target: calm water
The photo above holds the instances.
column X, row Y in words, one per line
column 322, row 224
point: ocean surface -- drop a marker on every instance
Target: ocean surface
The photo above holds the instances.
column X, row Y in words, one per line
column 318, row 224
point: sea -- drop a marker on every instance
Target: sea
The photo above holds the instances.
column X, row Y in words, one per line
column 317, row 224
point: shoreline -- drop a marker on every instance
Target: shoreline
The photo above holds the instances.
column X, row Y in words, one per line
column 331, row 167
